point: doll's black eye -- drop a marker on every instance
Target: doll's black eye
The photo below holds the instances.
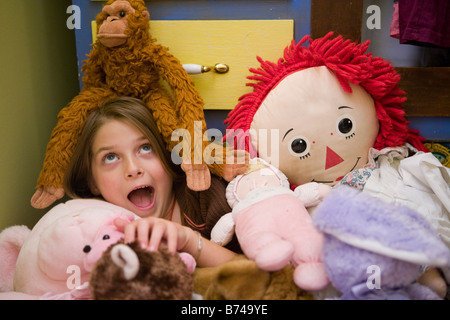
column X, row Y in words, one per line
column 122, row 14
column 106, row 237
column 86, row 249
column 345, row 125
column 298, row 145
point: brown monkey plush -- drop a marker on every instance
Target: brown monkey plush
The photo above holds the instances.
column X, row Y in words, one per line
column 126, row 61
column 128, row 272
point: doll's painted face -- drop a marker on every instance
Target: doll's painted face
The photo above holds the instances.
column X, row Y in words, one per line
column 321, row 132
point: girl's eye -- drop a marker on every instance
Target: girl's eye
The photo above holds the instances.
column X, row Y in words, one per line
column 146, row 148
column 299, row 147
column 109, row 158
column 346, row 126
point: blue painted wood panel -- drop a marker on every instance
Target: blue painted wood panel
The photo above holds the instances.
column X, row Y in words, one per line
column 432, row 128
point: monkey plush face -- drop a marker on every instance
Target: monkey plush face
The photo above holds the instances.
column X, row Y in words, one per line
column 114, row 22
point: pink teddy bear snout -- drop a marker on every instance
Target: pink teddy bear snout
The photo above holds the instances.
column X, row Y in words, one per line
column 107, row 236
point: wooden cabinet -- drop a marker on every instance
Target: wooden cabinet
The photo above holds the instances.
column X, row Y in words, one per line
column 428, row 104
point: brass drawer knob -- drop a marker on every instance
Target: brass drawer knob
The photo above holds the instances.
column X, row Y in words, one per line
column 197, row 69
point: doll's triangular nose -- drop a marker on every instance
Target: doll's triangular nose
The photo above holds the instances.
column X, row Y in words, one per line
column 332, row 159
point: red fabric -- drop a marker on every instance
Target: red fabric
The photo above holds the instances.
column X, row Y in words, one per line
column 425, row 22
column 395, row 25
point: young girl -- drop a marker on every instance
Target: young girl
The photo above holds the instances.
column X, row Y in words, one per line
column 121, row 158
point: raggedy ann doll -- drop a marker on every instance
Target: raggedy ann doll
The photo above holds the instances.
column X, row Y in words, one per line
column 328, row 112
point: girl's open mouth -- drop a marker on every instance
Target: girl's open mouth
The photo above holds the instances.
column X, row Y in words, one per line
column 142, row 197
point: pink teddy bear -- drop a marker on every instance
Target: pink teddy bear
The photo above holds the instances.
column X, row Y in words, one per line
column 272, row 224
column 55, row 259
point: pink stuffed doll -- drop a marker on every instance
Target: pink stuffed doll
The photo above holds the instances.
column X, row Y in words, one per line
column 331, row 113
column 272, row 224
column 56, row 257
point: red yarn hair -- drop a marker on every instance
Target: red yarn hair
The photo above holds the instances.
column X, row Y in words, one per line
column 351, row 64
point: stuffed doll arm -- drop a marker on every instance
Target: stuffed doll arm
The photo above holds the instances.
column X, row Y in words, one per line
column 223, row 231
column 312, row 193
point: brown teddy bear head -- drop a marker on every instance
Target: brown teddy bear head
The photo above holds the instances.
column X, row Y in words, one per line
column 128, row 272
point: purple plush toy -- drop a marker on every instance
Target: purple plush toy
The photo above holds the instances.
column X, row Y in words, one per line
column 374, row 250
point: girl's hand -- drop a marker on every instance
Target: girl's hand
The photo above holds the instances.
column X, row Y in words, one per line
column 151, row 231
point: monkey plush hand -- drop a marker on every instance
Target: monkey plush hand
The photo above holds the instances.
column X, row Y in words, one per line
column 126, row 61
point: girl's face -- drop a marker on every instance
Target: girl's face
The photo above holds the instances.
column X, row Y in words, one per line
column 315, row 130
column 127, row 171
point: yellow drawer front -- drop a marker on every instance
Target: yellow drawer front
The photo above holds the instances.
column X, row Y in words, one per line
column 235, row 43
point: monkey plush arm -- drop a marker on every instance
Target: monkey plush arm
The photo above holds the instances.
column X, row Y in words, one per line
column 57, row 156
column 189, row 108
column 62, row 144
column 188, row 104
column 186, row 109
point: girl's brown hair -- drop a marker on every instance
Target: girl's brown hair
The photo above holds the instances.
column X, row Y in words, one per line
column 78, row 177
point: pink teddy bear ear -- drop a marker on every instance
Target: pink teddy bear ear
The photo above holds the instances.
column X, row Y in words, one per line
column 128, row 216
column 124, row 215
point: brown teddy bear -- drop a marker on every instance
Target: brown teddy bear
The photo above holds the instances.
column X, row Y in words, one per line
column 128, row 272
